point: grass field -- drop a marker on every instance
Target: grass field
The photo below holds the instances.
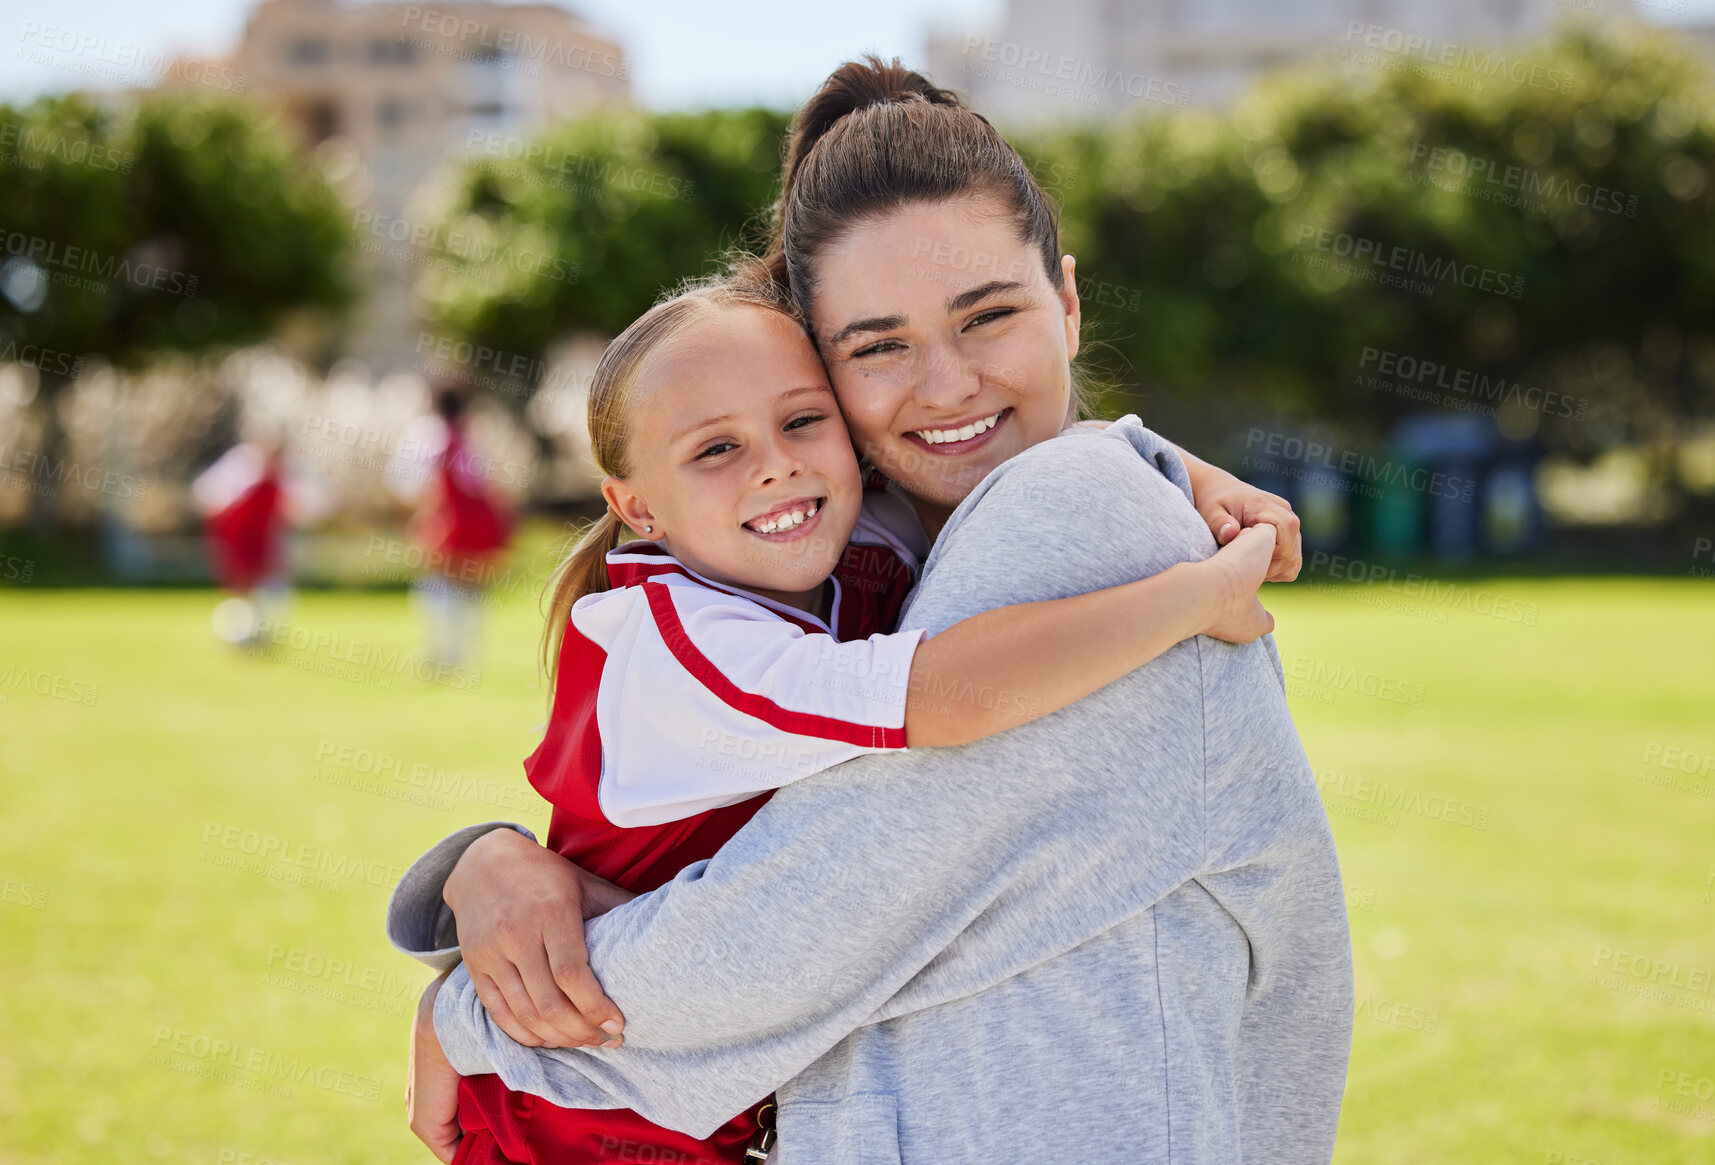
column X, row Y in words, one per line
column 1514, row 822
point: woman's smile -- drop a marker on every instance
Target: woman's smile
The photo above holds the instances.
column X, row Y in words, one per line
column 961, row 437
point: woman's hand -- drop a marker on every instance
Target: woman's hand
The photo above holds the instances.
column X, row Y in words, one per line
column 521, row 911
column 1233, row 576
column 432, row 1087
column 1230, row 505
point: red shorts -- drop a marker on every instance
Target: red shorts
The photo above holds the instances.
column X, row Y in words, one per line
column 502, row 1127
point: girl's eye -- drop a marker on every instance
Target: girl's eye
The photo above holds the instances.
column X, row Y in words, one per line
column 805, row 421
column 716, row 449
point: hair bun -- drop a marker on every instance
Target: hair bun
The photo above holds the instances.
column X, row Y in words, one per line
column 853, row 86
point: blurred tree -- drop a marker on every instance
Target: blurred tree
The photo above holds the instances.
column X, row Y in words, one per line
column 1246, row 254
column 589, row 226
column 184, row 223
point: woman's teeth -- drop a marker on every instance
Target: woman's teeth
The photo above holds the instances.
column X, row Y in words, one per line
column 942, row 436
column 787, row 521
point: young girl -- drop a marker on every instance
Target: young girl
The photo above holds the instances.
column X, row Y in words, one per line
column 742, row 643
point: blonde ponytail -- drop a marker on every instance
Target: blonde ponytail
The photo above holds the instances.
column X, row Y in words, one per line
column 584, row 572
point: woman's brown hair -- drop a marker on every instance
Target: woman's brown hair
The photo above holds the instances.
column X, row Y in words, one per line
column 877, row 136
column 745, row 283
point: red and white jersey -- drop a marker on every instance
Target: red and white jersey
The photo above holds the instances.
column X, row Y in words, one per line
column 678, row 695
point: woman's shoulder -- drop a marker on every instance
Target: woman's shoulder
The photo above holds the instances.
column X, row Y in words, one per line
column 1084, row 457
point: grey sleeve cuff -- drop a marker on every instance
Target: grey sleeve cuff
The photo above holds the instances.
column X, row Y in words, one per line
column 419, row 922
column 569, row 1077
column 464, row 1049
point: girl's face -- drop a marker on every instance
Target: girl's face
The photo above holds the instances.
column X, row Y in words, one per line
column 948, row 347
column 741, row 462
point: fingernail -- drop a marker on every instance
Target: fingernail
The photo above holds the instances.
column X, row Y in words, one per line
column 612, row 1043
column 612, row 1027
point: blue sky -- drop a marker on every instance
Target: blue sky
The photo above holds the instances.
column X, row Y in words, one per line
column 684, row 52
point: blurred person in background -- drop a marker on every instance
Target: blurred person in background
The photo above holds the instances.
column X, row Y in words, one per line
column 459, row 522
column 241, row 498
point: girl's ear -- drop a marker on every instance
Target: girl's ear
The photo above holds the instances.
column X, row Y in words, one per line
column 1069, row 301
column 631, row 507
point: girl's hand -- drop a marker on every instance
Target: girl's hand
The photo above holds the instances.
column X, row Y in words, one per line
column 432, row 1087
column 1230, row 505
column 521, row 911
column 1233, row 506
column 1233, row 576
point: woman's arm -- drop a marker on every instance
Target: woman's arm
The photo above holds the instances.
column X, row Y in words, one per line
column 520, row 910
column 1008, row 666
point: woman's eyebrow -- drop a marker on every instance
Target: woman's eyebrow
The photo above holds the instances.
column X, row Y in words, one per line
column 873, row 324
column 981, row 292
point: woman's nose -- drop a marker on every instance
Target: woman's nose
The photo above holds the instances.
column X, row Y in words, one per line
column 948, row 378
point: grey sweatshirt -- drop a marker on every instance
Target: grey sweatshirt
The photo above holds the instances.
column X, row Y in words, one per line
column 1115, row 933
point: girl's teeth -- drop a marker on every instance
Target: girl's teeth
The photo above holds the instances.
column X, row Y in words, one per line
column 787, row 521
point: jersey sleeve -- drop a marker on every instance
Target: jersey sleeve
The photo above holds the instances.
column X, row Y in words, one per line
column 707, row 699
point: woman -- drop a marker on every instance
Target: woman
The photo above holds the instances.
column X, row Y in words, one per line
column 927, row 260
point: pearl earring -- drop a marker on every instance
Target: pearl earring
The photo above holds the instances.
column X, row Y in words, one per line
column 649, row 529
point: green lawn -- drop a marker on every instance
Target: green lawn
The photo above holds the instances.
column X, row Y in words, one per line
column 196, row 846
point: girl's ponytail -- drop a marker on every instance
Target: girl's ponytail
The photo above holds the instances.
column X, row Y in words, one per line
column 584, row 572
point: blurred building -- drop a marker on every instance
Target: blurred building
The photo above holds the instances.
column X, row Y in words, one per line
column 395, row 91
column 1096, row 59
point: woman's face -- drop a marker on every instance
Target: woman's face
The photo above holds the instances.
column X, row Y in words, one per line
column 948, row 348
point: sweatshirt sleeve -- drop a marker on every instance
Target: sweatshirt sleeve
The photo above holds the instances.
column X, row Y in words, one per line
column 419, row 922
column 707, row 699
column 898, row 882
